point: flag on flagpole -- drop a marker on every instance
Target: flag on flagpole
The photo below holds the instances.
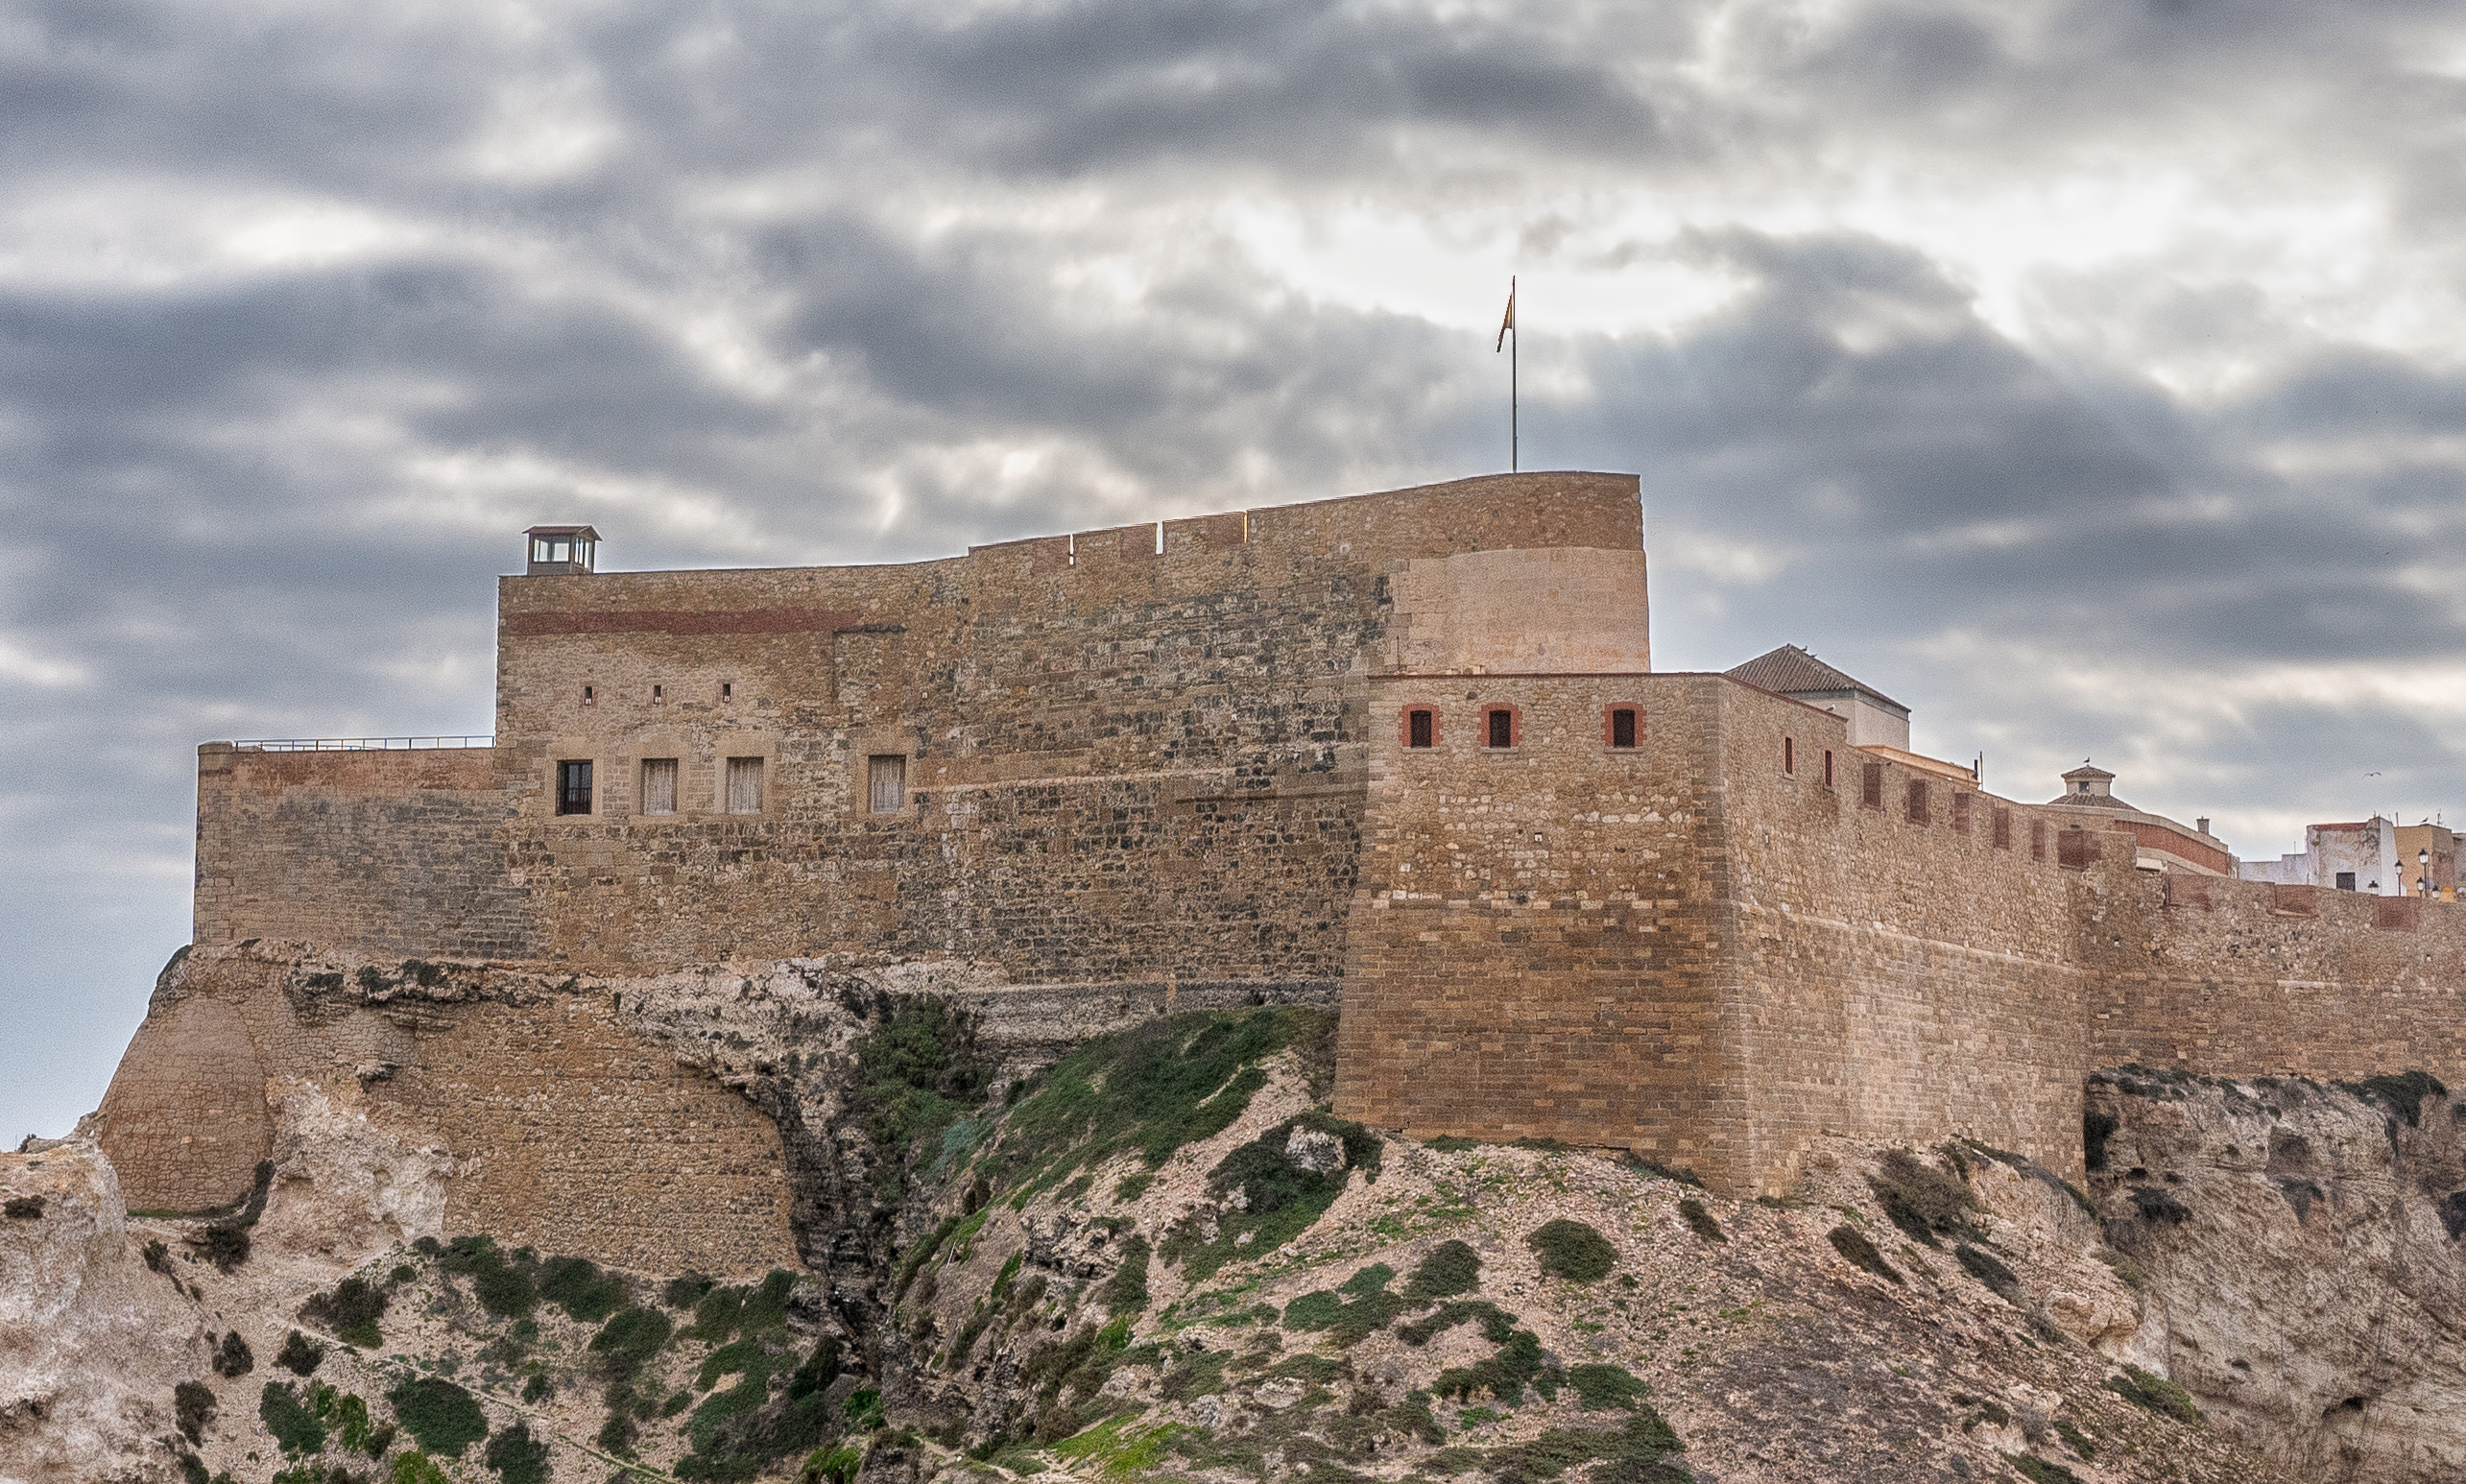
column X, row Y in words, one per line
column 1509, row 322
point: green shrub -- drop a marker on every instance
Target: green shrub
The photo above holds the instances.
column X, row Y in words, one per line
column 1988, row 1269
column 1606, row 1386
column 443, row 1416
column 1518, row 1362
column 2040, row 1472
column 1280, row 1199
column 1496, row 1323
column 232, row 1359
column 22, row 1208
column 1449, row 1143
column 350, row 1312
column 1700, row 1220
column 1573, row 1251
column 1922, row 1200
column 629, row 1339
column 299, row 1354
column 918, row 1072
column 1633, row 1455
column 1450, row 1268
column 2406, row 1093
column 2154, row 1392
column 838, row 1465
column 1372, row 1307
column 2075, row 1439
column 577, row 1286
column 418, row 1468
column 192, row 1407
column 292, row 1422
column 222, row 1243
column 517, row 1457
column 2156, row 1204
column 686, row 1290
column 1852, row 1243
column 504, row 1288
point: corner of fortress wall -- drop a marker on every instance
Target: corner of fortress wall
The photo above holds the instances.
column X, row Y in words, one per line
column 1121, row 771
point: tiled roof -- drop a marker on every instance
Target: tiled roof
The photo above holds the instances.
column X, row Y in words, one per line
column 1789, row 670
column 2094, row 802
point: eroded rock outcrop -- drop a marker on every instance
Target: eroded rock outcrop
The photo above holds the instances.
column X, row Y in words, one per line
column 2300, row 1247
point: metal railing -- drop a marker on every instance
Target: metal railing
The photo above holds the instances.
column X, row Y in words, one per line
column 355, row 743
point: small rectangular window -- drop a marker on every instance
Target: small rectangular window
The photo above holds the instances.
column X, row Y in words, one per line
column 1789, row 755
column 2037, row 839
column 1918, row 800
column 586, row 697
column 1503, row 729
column 1622, row 728
column 2346, row 881
column 658, row 693
column 1828, row 767
column 659, row 785
column 886, row 783
column 573, row 787
column 727, row 690
column 1420, row 726
column 745, row 785
column 1960, row 812
column 2002, row 827
column 1871, row 786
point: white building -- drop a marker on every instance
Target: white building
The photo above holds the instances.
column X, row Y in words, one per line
column 2359, row 857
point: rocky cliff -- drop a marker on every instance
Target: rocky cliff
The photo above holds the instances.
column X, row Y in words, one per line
column 1008, row 1247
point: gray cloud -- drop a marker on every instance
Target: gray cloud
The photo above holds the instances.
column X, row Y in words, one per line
column 303, row 314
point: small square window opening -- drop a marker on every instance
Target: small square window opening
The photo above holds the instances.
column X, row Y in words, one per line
column 573, row 786
column 1422, row 728
column 2346, row 881
column 886, row 783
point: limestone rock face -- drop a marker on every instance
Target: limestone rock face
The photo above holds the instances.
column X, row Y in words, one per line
column 2301, row 1247
column 91, row 1343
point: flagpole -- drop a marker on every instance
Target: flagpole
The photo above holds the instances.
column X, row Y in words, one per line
column 1509, row 342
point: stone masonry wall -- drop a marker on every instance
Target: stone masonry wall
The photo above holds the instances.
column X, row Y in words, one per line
column 1536, row 942
column 2242, row 978
column 568, row 1132
column 1898, row 975
column 388, row 851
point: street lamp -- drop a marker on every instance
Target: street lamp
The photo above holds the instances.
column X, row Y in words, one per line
column 2423, row 882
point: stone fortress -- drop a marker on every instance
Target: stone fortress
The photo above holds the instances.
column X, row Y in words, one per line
column 1403, row 753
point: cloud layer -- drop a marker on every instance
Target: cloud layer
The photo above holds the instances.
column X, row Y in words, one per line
column 2077, row 373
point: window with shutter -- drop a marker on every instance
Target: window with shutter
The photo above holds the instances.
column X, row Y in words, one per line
column 659, row 785
column 1918, row 800
column 745, row 785
column 2037, row 839
column 1871, row 786
column 2002, row 827
column 1960, row 812
column 886, row 783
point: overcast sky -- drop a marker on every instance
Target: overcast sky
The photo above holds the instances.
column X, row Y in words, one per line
column 2085, row 376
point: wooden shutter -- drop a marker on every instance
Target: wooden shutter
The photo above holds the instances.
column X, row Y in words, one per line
column 1874, row 786
column 659, row 785
column 745, row 785
column 886, row 782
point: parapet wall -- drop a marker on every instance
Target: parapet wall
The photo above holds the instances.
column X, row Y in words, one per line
column 386, row 851
column 2241, row 978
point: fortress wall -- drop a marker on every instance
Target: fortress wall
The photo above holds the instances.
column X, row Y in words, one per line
column 1120, row 764
column 390, row 852
column 1537, row 939
column 540, row 1096
column 2240, row 978
column 1896, row 978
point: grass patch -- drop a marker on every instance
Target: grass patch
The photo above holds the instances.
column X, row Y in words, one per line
column 1282, row 1198
column 443, row 1416
column 1573, row 1251
column 1699, row 1219
column 1151, row 1088
column 2075, row 1439
column 1636, row 1453
column 1852, row 1243
column 1372, row 1309
column 2039, row 1471
column 2146, row 1389
column 1123, row 1293
column 1450, row 1268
